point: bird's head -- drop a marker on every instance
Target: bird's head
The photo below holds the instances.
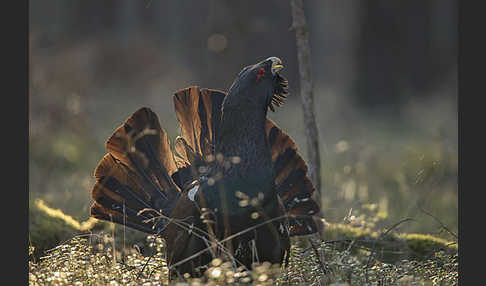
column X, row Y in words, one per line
column 259, row 85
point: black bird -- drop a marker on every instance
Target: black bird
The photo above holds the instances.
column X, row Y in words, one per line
column 235, row 185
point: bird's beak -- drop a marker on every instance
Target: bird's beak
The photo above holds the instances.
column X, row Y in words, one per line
column 277, row 66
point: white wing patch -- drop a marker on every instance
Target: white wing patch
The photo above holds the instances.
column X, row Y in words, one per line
column 192, row 192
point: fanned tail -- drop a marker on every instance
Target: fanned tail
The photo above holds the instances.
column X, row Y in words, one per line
column 292, row 183
column 136, row 175
column 141, row 172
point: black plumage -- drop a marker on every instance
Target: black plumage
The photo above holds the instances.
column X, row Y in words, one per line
column 235, row 185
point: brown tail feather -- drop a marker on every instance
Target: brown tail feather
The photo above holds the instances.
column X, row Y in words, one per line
column 142, row 145
column 186, row 152
column 118, row 183
column 136, row 173
column 198, row 111
column 292, row 183
column 187, row 161
column 100, row 212
column 302, row 220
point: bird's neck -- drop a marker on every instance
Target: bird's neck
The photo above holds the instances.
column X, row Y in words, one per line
column 243, row 135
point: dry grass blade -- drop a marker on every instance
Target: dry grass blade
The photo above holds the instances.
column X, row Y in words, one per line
column 227, row 239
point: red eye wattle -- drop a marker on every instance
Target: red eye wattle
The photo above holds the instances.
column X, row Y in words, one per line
column 260, row 72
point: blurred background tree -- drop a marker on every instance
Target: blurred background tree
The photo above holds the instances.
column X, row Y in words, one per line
column 385, row 91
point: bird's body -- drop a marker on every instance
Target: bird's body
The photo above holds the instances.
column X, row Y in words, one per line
column 235, row 187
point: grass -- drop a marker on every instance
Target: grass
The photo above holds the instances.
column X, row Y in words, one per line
column 347, row 254
column 90, row 261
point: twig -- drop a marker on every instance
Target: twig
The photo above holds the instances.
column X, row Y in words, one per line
column 66, row 241
column 150, row 257
column 437, row 220
column 226, row 239
column 395, row 225
column 316, row 252
column 182, row 224
column 352, row 244
column 373, row 250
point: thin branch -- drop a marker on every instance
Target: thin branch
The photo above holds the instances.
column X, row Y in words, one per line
column 372, row 253
column 227, row 239
column 443, row 226
column 184, row 225
column 396, row 225
column 316, row 252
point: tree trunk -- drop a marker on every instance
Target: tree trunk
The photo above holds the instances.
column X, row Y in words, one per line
column 303, row 55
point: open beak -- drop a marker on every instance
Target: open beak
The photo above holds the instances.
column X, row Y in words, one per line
column 277, row 68
column 276, row 65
